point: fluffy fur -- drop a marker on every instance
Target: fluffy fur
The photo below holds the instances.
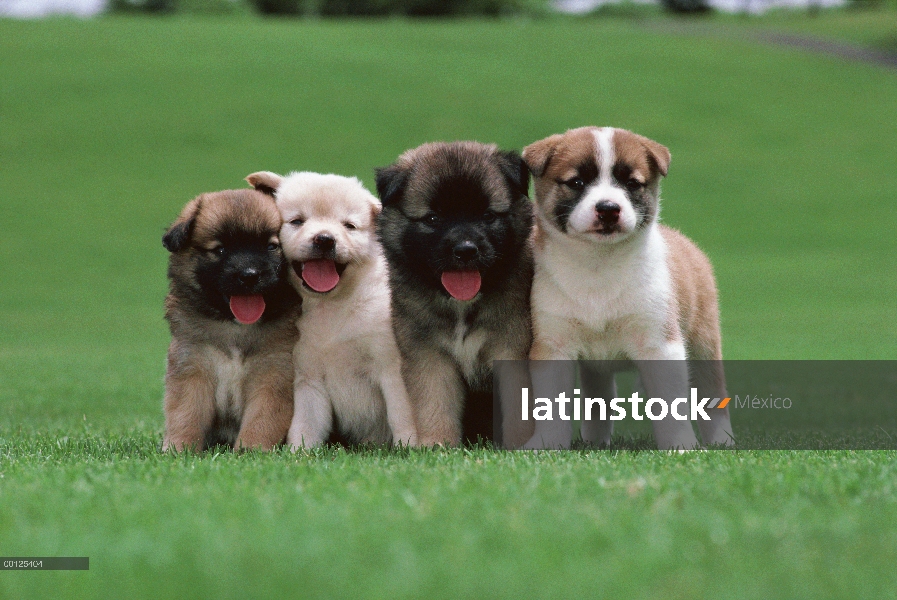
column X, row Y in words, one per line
column 610, row 282
column 452, row 208
column 347, row 364
column 227, row 382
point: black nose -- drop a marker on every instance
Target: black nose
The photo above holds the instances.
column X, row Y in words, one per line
column 249, row 276
column 465, row 251
column 608, row 212
column 324, row 241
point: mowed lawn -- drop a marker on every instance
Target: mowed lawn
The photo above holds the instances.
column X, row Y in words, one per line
column 874, row 25
column 784, row 170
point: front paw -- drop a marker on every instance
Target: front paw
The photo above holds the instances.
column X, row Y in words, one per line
column 407, row 439
column 722, row 439
column 175, row 445
column 298, row 440
column 680, row 445
column 438, row 441
column 548, row 442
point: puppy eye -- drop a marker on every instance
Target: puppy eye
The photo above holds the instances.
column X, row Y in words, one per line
column 349, row 225
column 273, row 246
column 490, row 216
column 431, row 219
column 217, row 250
column 297, row 222
column 634, row 185
column 575, row 184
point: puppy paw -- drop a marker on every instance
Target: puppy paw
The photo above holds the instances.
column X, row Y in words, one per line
column 298, row 441
column 722, row 440
column 179, row 446
column 681, row 446
column 408, row 439
column 547, row 442
column 438, row 442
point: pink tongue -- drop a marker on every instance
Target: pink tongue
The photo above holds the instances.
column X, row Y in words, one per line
column 320, row 275
column 247, row 309
column 462, row 285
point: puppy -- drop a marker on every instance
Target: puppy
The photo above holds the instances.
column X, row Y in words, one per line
column 455, row 227
column 231, row 314
column 611, row 282
column 347, row 362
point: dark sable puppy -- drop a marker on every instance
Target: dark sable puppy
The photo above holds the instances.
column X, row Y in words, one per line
column 455, row 228
column 232, row 317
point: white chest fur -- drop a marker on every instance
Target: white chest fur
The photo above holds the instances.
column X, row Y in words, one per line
column 465, row 346
column 230, row 371
column 598, row 302
column 351, row 324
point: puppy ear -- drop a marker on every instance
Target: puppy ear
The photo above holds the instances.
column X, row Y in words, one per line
column 515, row 170
column 538, row 154
column 391, row 182
column 659, row 153
column 265, row 182
column 178, row 235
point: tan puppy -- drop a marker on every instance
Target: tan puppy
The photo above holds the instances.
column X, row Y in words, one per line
column 231, row 313
column 610, row 282
column 347, row 363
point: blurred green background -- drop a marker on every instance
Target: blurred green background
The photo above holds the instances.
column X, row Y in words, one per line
column 783, row 166
column 784, row 170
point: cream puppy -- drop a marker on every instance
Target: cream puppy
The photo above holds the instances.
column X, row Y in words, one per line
column 348, row 365
column 612, row 283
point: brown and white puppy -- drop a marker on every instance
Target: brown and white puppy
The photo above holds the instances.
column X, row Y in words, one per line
column 611, row 282
column 231, row 314
column 455, row 228
column 348, row 367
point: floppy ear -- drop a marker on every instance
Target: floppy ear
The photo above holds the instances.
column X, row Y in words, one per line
column 265, row 182
column 391, row 182
column 659, row 153
column 515, row 170
column 178, row 235
column 538, row 154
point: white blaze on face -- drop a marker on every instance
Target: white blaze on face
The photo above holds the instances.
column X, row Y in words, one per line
column 604, row 188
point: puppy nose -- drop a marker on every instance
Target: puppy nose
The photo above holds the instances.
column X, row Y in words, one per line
column 324, row 241
column 249, row 276
column 608, row 212
column 466, row 250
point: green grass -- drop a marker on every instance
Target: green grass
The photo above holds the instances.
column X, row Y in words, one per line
column 783, row 171
column 861, row 23
column 873, row 24
column 450, row 524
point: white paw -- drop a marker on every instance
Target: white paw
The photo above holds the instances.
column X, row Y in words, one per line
column 681, row 446
column 407, row 439
column 301, row 440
